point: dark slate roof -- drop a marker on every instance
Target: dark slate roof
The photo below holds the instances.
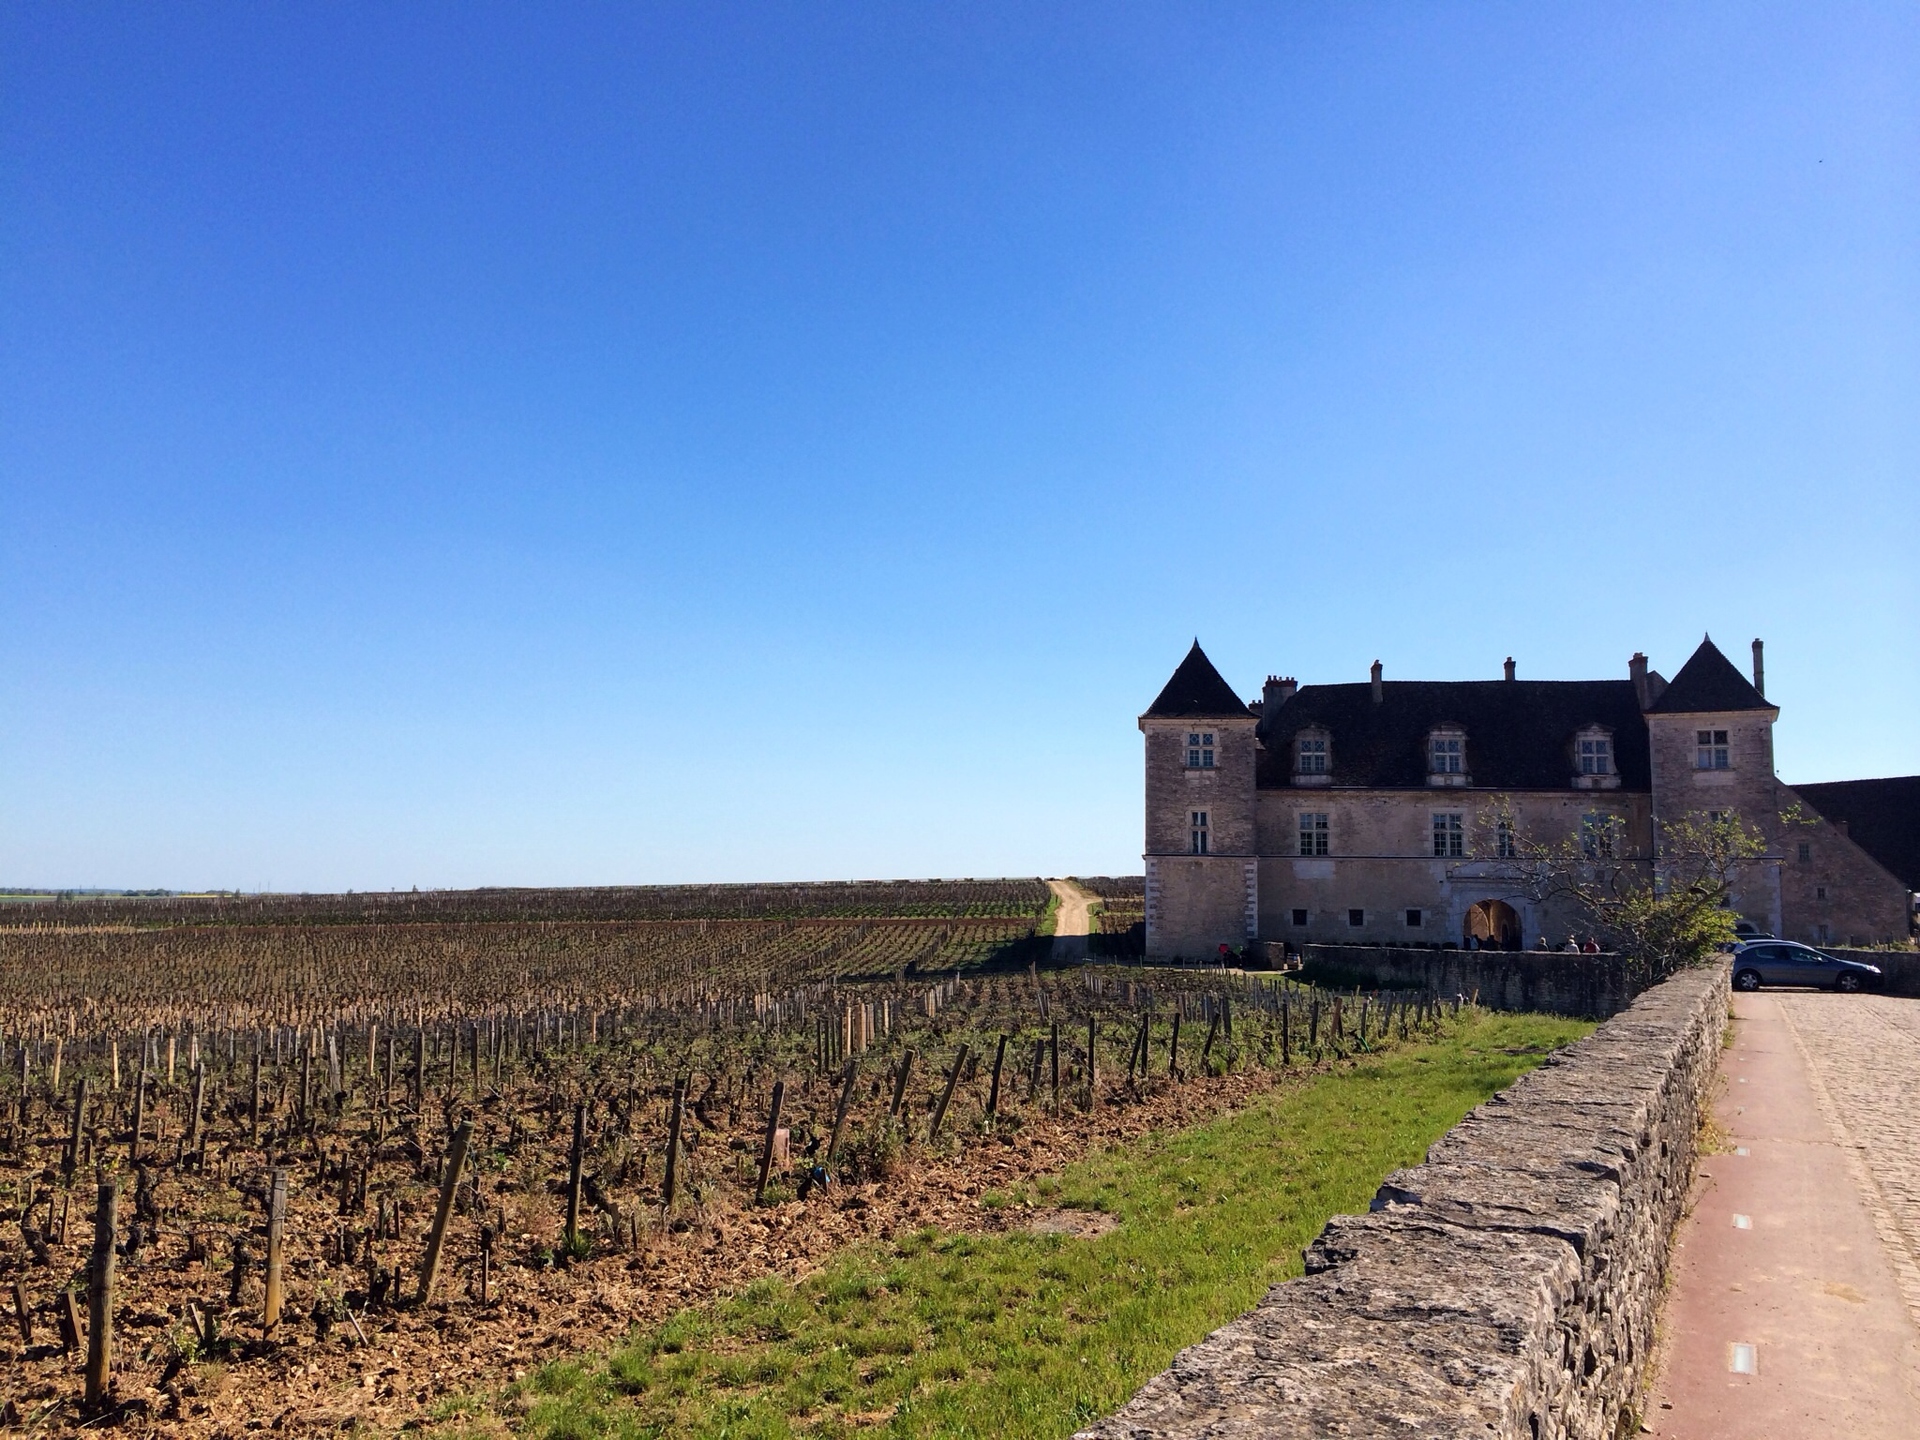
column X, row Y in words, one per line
column 1708, row 681
column 1882, row 817
column 1520, row 733
column 1197, row 692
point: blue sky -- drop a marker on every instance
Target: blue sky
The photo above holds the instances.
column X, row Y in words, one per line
column 574, row 445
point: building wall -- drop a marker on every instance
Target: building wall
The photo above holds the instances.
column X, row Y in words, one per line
column 1838, row 894
column 1748, row 788
column 1381, row 861
column 1197, row 903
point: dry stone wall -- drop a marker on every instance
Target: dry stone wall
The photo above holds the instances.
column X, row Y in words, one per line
column 1593, row 987
column 1899, row 969
column 1504, row 1290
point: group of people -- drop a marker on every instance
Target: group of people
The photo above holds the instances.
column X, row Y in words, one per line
column 1574, row 945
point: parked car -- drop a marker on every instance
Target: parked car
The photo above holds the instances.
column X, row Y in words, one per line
column 1786, row 962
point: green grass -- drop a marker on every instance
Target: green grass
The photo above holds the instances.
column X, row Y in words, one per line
column 1020, row 1335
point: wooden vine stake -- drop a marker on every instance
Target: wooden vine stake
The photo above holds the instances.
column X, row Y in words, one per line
column 576, row 1163
column 437, row 1237
column 766, row 1148
column 993, row 1090
column 1093, row 1062
column 71, row 1159
column 670, row 1182
column 276, row 1248
column 946, row 1095
column 68, row 1315
column 1173, row 1050
column 106, row 1222
column 900, row 1083
column 1053, row 1046
column 840, row 1110
column 139, row 1111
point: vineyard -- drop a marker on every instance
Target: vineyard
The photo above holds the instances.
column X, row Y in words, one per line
column 335, row 1172
column 857, row 899
column 1122, row 903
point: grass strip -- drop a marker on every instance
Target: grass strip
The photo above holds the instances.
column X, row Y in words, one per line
column 1015, row 1334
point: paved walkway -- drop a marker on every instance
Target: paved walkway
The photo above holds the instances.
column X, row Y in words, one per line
column 1795, row 1306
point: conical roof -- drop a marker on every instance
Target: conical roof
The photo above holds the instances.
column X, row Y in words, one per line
column 1197, row 692
column 1708, row 681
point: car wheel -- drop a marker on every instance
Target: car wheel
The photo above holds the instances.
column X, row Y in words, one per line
column 1747, row 980
column 1848, row 983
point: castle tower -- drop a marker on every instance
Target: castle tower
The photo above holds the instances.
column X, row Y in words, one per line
column 1710, row 733
column 1202, row 873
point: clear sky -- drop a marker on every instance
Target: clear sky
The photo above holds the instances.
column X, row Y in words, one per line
column 467, row 444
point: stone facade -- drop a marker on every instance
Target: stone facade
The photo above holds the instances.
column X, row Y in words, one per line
column 1373, row 814
column 1506, row 1289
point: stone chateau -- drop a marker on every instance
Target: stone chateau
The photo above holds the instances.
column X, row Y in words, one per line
column 1381, row 813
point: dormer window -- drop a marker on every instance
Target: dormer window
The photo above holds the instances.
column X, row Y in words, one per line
column 1312, row 758
column 1200, row 749
column 1447, row 757
column 1593, row 757
column 1711, row 751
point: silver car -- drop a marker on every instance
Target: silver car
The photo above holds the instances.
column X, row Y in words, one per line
column 1785, row 962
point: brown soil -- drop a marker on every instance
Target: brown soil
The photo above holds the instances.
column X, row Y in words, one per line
column 413, row 1358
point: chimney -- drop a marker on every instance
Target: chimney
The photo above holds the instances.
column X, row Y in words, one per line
column 1637, row 672
column 1275, row 693
column 1509, row 667
column 1760, row 668
column 1379, row 690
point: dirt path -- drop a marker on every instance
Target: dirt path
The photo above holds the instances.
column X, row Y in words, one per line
column 1073, row 921
column 1786, row 1314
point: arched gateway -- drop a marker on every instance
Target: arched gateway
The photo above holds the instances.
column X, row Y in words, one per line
column 1495, row 924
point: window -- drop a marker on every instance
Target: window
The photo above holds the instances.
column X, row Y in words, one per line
column 1414, row 917
column 1312, row 755
column 1446, row 754
column 1356, row 918
column 1596, row 755
column 1200, row 750
column 1596, row 835
column 1449, row 835
column 1711, row 750
column 1503, row 838
column 1299, row 917
column 1714, row 817
column 1819, row 892
column 1825, row 935
column 1199, row 832
column 1313, row 832
column 1806, row 852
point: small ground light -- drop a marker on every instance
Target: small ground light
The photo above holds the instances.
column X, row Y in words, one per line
column 1743, row 1359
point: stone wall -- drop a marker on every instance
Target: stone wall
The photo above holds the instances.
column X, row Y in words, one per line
column 1504, row 1290
column 1899, row 969
column 1593, row 987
